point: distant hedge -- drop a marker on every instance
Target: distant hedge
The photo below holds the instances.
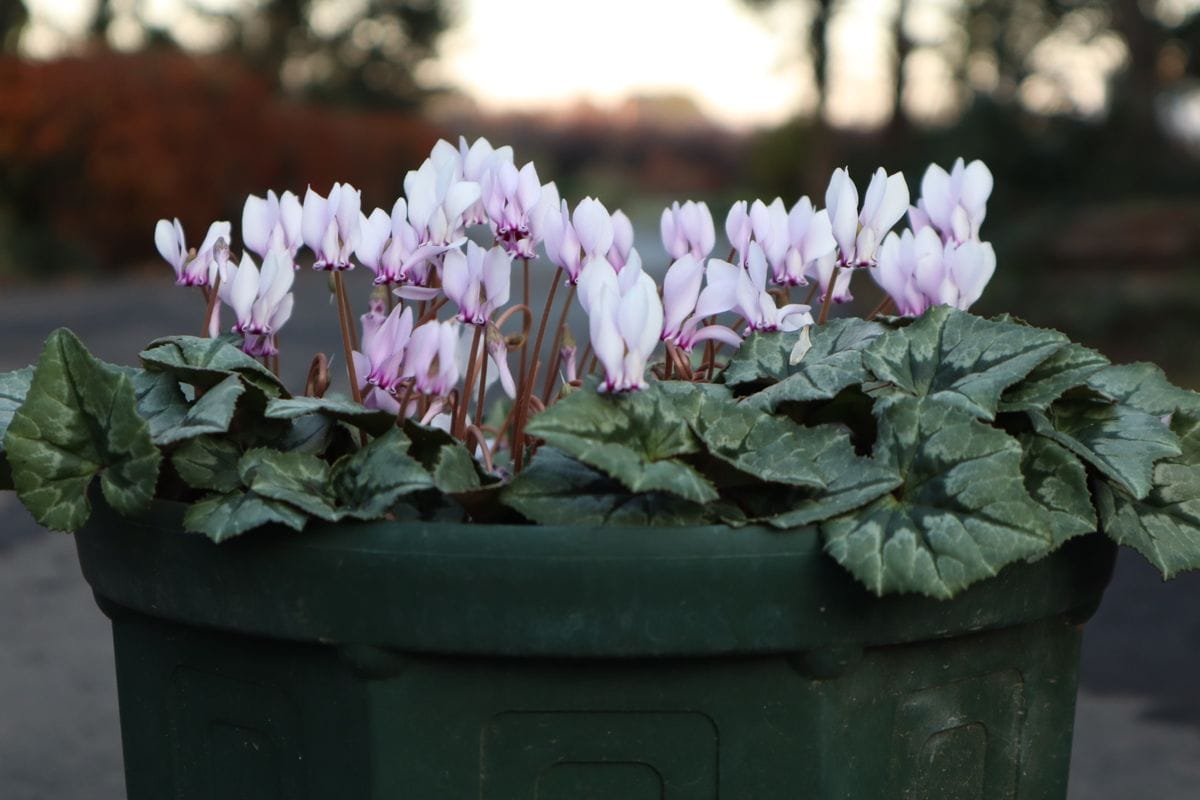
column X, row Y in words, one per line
column 94, row 149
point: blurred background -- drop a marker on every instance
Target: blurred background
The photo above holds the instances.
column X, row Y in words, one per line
column 114, row 113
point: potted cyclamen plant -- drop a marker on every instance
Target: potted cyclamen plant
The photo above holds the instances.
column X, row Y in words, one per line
column 727, row 549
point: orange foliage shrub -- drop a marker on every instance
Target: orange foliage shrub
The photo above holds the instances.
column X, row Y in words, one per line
column 94, row 150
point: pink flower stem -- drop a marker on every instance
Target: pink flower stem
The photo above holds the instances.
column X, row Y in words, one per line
column 460, row 415
column 339, row 287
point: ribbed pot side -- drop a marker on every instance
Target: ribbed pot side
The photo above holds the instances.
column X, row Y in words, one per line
column 468, row 661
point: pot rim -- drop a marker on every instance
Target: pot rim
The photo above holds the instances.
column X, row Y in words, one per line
column 552, row 591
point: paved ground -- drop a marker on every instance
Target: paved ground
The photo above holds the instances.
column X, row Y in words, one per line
column 1138, row 721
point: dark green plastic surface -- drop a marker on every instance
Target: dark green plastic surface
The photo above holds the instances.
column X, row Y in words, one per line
column 442, row 661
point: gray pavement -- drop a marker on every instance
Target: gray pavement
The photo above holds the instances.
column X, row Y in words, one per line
column 1137, row 732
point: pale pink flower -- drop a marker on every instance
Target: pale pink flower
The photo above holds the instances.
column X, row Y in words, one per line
column 431, row 358
column 378, row 365
column 272, row 223
column 624, row 331
column 477, row 281
column 858, row 234
column 688, row 228
column 954, row 203
column 199, row 268
column 330, row 226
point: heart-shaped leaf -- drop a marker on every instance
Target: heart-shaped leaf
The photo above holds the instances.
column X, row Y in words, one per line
column 958, row 358
column 172, row 418
column 771, row 449
column 206, row 362
column 632, row 437
column 1165, row 525
column 1057, row 481
column 558, row 490
column 961, row 514
column 368, row 483
column 297, row 479
column 1068, row 368
column 1144, row 387
column 13, row 387
column 851, row 481
column 79, row 420
column 1119, row 441
column 208, row 462
column 833, row 362
column 224, row 516
column 373, row 421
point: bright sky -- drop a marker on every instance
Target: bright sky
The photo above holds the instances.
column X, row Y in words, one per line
column 743, row 67
column 528, row 54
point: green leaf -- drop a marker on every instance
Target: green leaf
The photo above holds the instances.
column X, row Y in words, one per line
column 372, row 421
column 13, row 387
column 455, row 470
column 961, row 514
column 206, row 362
column 1119, row 441
column 208, row 462
column 1057, row 481
column 632, row 437
column 368, row 483
column 172, row 418
column 1186, row 426
column 851, row 481
column 958, row 358
column 1165, row 526
column 772, row 449
column 297, row 479
column 1144, row 387
column 224, row 516
column 427, row 442
column 832, row 363
column 1068, row 368
column 310, row 434
column 79, row 420
column 555, row 489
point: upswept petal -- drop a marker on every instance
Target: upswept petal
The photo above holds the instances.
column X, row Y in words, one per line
column 459, row 197
column 258, row 220
column 457, row 277
column 314, row 220
column 593, row 226
column 168, row 239
column 596, row 276
column 376, row 231
column 936, row 198
column 244, row 290
column 290, row 213
column 605, row 337
column 497, row 278
column 841, row 199
column 681, row 289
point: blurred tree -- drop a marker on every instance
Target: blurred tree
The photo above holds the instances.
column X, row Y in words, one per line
column 347, row 52
column 13, row 17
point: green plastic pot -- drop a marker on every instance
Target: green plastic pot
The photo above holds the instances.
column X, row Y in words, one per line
column 445, row 661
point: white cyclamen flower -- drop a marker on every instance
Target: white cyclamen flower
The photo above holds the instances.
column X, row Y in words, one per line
column 477, row 281
column 261, row 300
column 954, row 203
column 858, row 234
column 272, row 223
column 624, row 330
column 688, row 228
column 330, row 226
column 202, row 267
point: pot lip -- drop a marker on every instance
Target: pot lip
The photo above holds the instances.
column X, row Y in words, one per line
column 554, row 591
